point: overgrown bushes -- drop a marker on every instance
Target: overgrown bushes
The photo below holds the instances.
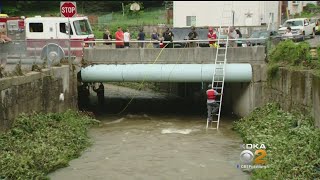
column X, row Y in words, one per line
column 41, row 143
column 288, row 53
column 293, row 143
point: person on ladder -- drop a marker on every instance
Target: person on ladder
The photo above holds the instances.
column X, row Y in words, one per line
column 212, row 104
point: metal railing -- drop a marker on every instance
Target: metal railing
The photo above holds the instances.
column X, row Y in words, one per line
column 184, row 43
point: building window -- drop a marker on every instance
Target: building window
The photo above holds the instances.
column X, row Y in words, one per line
column 35, row 27
column 191, row 20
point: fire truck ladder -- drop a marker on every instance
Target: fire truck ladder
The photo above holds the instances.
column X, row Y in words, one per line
column 221, row 61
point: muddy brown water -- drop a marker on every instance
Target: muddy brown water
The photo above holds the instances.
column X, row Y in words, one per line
column 156, row 146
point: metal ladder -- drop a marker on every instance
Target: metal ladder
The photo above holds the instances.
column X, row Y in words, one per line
column 221, row 61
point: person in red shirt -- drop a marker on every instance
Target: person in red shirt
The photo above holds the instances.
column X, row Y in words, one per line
column 212, row 104
column 212, row 36
column 119, row 37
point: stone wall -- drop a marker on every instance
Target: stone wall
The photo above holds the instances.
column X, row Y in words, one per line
column 37, row 92
column 295, row 91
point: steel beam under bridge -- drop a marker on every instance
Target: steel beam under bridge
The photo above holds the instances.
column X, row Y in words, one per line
column 164, row 73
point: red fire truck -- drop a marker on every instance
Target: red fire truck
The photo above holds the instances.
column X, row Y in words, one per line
column 49, row 36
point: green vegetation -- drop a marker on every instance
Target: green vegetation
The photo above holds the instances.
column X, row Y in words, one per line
column 41, row 143
column 151, row 16
column 292, row 141
column 293, row 55
column 309, row 11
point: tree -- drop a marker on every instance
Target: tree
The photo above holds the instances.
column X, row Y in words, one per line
column 134, row 13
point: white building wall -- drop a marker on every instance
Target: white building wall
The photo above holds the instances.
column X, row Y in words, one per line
column 208, row 13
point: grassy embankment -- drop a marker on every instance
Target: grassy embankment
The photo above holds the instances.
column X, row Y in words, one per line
column 292, row 143
column 41, row 143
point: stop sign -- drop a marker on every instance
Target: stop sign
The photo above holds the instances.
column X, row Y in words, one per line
column 68, row 9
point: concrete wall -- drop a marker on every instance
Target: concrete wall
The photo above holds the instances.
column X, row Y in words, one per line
column 297, row 91
column 253, row 55
column 242, row 98
column 37, row 91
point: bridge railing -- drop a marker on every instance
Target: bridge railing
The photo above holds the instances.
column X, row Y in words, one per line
column 239, row 42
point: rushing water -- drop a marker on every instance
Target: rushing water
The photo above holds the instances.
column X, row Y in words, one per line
column 168, row 141
column 157, row 147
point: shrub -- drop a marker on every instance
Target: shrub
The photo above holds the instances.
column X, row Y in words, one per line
column 289, row 52
column 40, row 143
column 293, row 143
column 272, row 70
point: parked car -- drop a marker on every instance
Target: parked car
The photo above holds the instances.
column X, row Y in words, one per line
column 316, row 20
column 264, row 35
column 300, row 28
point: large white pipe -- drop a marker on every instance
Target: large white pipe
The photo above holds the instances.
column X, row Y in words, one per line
column 164, row 73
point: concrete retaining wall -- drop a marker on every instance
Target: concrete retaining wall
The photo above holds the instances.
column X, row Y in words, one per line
column 297, row 91
column 253, row 55
column 37, row 92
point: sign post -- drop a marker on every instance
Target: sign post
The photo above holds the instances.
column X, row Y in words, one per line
column 68, row 9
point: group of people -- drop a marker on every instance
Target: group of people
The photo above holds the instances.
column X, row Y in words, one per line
column 123, row 38
column 84, row 93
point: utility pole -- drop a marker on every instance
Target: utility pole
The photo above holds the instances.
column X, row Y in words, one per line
column 280, row 13
column 122, row 9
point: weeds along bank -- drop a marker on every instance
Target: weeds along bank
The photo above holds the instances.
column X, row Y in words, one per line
column 41, row 143
column 292, row 143
column 292, row 139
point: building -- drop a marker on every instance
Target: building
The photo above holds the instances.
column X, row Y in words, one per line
column 209, row 13
column 296, row 7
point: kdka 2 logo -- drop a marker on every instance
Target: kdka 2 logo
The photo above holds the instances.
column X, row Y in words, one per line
column 253, row 156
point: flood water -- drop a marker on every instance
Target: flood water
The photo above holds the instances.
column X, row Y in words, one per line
column 157, row 147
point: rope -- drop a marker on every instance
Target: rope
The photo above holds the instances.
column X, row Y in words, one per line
column 142, row 81
column 145, row 76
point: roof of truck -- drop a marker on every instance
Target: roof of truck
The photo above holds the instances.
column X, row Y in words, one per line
column 38, row 18
column 295, row 19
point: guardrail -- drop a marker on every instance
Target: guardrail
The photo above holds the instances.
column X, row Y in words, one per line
column 198, row 42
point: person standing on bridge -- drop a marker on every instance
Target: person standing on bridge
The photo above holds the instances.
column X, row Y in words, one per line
column 127, row 39
column 193, row 35
column 212, row 36
column 232, row 36
column 167, row 36
column 141, row 36
column 119, row 37
column 155, row 37
column 212, row 104
column 107, row 37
